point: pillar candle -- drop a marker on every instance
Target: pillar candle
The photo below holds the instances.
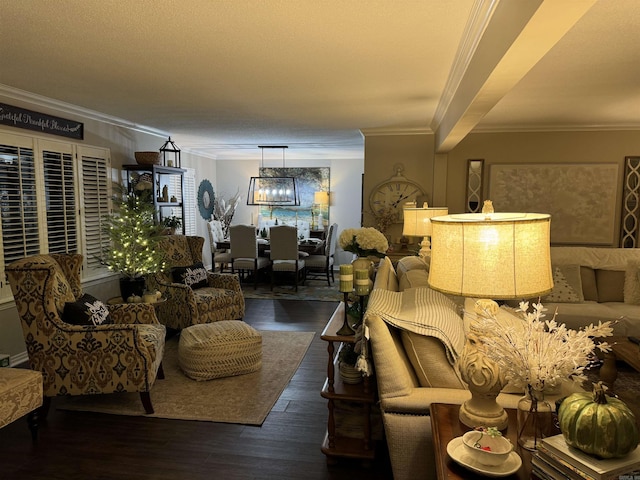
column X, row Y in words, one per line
column 346, row 278
column 362, row 281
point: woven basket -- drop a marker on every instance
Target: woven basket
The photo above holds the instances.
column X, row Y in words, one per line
column 147, row 158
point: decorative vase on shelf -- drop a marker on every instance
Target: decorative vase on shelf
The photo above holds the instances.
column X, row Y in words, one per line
column 349, row 373
column 534, row 419
column 363, row 263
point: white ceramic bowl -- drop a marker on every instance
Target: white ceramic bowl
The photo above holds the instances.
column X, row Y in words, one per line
column 474, row 441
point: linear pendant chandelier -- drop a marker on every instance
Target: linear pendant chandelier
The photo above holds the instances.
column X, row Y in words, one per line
column 273, row 191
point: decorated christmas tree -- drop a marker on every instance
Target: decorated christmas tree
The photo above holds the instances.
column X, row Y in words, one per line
column 134, row 233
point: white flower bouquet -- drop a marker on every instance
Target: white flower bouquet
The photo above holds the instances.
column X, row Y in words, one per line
column 364, row 242
column 541, row 353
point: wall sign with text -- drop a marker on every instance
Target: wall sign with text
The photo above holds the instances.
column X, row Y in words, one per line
column 40, row 122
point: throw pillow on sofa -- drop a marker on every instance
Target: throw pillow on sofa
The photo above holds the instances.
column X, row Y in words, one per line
column 567, row 285
column 194, row 276
column 610, row 285
column 429, row 360
column 632, row 283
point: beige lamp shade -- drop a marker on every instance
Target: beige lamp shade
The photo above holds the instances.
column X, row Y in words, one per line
column 417, row 221
column 497, row 256
column 321, row 198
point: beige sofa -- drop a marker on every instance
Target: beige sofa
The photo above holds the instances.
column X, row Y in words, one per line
column 593, row 284
column 413, row 370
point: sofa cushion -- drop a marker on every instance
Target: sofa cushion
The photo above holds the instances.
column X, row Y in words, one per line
column 610, row 285
column 194, row 275
column 567, row 285
column 386, row 275
column 589, row 287
column 428, row 358
column 87, row 310
column 407, row 264
column 413, row 279
column 632, row 283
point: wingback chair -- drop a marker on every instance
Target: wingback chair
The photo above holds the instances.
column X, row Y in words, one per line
column 220, row 298
column 123, row 356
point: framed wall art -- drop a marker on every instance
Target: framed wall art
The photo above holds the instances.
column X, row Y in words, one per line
column 581, row 198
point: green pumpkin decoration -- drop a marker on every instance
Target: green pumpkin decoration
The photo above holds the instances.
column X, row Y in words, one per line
column 598, row 425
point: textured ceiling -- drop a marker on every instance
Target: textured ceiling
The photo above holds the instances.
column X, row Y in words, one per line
column 223, row 76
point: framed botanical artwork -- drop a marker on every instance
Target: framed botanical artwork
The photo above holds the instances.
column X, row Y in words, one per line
column 581, row 198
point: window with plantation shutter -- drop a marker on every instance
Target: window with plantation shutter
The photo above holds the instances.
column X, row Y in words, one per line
column 53, row 196
column 95, row 188
column 190, row 207
column 60, row 194
column 18, row 203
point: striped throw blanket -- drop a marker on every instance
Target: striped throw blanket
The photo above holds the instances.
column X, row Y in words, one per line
column 423, row 311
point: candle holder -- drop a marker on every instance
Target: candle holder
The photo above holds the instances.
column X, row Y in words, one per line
column 346, row 330
column 346, row 287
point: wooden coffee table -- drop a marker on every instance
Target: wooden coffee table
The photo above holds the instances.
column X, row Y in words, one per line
column 446, row 426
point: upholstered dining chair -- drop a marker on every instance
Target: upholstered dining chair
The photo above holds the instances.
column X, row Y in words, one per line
column 218, row 256
column 318, row 265
column 244, row 251
column 284, row 253
column 77, row 354
column 193, row 294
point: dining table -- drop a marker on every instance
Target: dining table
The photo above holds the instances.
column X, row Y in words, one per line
column 311, row 246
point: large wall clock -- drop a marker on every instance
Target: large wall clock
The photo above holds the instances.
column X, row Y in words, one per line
column 394, row 193
column 205, row 199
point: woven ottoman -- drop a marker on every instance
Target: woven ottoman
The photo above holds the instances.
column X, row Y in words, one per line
column 219, row 349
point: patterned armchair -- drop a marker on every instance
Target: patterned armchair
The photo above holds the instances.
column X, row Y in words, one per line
column 221, row 299
column 123, row 356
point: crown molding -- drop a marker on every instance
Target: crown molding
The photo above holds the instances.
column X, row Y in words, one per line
column 370, row 132
column 554, row 128
column 68, row 108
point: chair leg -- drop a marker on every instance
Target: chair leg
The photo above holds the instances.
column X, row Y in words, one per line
column 44, row 408
column 328, row 280
column 33, row 421
column 146, row 402
column 160, row 373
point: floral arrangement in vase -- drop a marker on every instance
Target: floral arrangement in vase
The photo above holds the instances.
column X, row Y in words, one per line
column 364, row 242
column 537, row 356
column 224, row 210
column 543, row 353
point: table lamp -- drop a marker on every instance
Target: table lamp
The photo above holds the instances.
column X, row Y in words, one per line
column 417, row 223
column 489, row 256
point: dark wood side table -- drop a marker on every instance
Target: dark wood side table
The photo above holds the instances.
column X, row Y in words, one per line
column 446, row 426
column 363, row 395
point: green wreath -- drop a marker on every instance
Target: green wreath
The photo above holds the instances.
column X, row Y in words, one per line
column 206, row 199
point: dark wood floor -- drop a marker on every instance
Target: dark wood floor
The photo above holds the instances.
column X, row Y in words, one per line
column 79, row 445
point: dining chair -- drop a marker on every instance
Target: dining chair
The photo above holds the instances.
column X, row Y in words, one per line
column 322, row 264
column 244, row 251
column 218, row 255
column 284, row 253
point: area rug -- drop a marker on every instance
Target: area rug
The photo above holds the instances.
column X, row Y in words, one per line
column 245, row 399
column 313, row 290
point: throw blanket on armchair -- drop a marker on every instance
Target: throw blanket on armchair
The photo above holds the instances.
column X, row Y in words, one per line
column 420, row 310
